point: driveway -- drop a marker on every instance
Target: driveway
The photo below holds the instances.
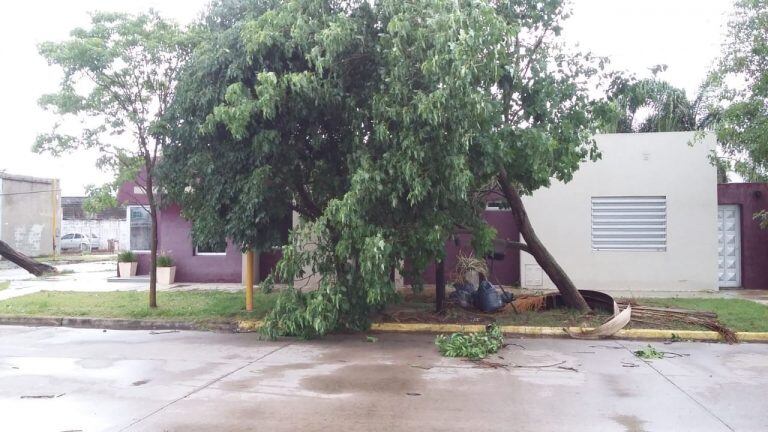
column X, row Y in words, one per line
column 57, row 379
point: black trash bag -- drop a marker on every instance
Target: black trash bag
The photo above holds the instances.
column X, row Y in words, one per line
column 507, row 297
column 488, row 298
column 463, row 294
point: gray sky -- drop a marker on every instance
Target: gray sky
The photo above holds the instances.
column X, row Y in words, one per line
column 634, row 34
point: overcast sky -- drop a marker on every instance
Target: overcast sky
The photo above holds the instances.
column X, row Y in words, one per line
column 634, row 34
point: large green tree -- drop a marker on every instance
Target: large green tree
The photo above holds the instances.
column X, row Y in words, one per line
column 384, row 125
column 119, row 77
column 742, row 73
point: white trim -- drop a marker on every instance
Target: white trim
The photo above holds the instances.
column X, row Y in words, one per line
column 128, row 218
column 488, row 206
column 210, row 253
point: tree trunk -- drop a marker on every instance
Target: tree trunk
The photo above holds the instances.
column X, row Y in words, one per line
column 153, row 243
column 439, row 285
column 546, row 261
column 23, row 261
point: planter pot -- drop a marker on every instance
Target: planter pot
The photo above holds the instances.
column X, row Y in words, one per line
column 127, row 269
column 166, row 275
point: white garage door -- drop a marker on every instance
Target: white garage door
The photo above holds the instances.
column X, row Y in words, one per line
column 729, row 245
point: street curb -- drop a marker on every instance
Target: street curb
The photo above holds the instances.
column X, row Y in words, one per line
column 643, row 334
column 245, row 326
column 109, row 323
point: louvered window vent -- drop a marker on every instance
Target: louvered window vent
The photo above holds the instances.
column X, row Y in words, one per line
column 629, row 223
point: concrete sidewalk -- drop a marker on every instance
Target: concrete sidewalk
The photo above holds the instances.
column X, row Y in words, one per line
column 90, row 277
column 193, row 381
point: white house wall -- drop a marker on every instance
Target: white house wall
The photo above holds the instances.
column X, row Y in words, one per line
column 105, row 230
column 675, row 165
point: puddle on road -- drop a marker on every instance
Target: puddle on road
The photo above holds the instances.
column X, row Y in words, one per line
column 366, row 378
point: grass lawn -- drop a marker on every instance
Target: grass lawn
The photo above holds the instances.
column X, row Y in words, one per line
column 196, row 306
column 217, row 306
column 737, row 314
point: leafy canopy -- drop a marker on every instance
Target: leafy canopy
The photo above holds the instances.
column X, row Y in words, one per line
column 742, row 73
column 383, row 126
column 118, row 79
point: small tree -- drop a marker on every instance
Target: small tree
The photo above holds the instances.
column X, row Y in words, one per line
column 742, row 74
column 119, row 78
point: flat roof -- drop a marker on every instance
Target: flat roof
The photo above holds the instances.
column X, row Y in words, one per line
column 22, row 178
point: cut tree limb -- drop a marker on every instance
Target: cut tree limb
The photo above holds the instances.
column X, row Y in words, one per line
column 23, row 261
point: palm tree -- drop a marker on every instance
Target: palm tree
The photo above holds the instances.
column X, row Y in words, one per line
column 665, row 107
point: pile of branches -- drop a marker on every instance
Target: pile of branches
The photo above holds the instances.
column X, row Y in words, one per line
column 664, row 316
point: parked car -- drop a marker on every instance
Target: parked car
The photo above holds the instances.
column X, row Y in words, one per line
column 79, row 241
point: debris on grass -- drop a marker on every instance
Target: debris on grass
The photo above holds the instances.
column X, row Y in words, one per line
column 665, row 316
column 471, row 345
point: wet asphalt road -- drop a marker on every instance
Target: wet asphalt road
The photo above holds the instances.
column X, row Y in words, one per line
column 59, row 379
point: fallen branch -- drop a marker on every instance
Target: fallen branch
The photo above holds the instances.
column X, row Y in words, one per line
column 23, row 261
column 608, row 328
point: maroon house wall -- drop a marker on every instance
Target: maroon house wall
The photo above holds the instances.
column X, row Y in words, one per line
column 751, row 197
column 174, row 238
column 503, row 272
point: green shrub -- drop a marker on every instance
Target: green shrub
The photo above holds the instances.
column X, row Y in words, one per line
column 473, row 345
column 164, row 260
column 126, row 256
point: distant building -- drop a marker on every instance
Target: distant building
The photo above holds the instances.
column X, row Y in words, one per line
column 107, row 227
column 30, row 213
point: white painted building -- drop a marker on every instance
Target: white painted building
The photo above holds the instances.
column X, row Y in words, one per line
column 643, row 218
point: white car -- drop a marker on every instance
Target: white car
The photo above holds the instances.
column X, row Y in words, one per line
column 81, row 242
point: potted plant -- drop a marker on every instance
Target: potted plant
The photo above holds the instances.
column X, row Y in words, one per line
column 127, row 264
column 166, row 270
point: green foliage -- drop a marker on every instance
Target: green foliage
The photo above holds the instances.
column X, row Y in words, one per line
column 741, row 75
column 99, row 198
column 649, row 353
column 119, row 76
column 762, row 218
column 666, row 108
column 305, row 315
column 472, row 345
column 127, row 257
column 164, row 260
column 381, row 124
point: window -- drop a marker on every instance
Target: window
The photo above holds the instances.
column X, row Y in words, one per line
column 68, row 237
column 140, row 229
column 211, row 248
column 631, row 223
column 496, row 205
